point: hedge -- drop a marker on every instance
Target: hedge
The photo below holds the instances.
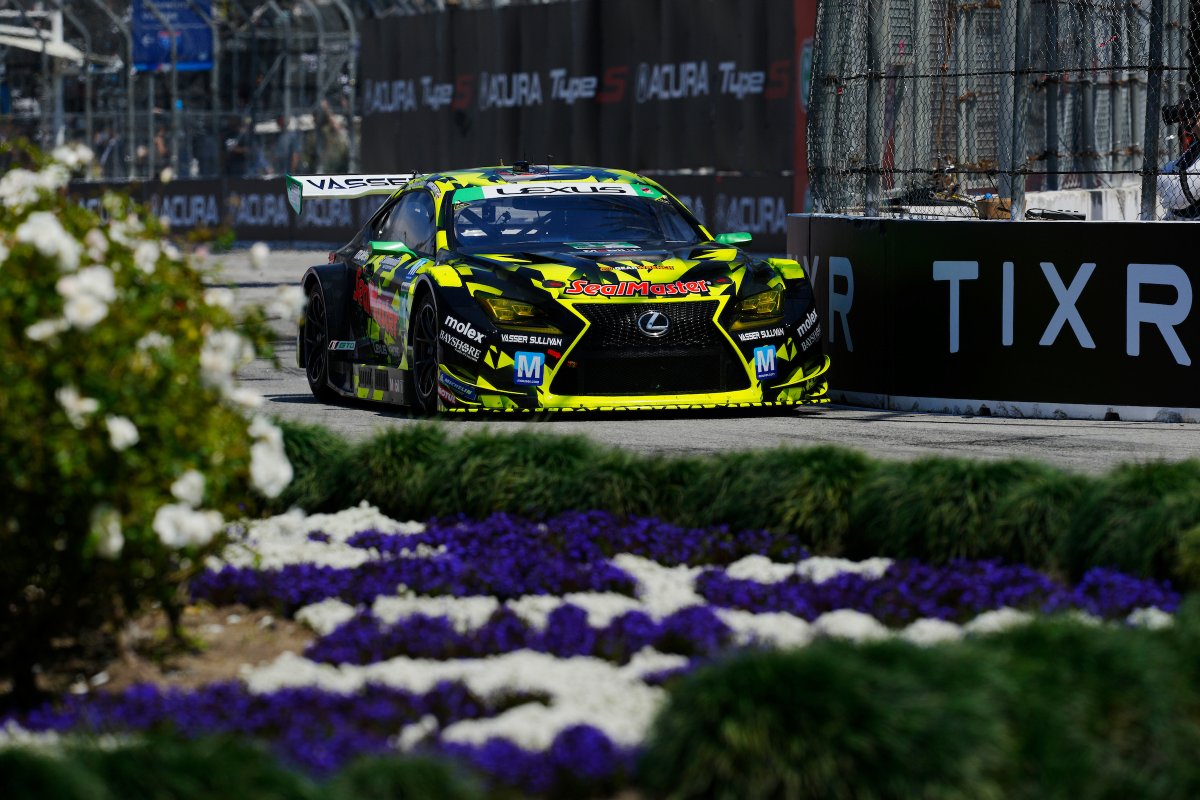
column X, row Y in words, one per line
column 1143, row 519
column 1055, row 709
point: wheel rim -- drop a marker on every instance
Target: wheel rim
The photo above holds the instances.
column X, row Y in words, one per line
column 425, row 361
column 316, row 339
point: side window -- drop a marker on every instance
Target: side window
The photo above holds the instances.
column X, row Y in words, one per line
column 412, row 222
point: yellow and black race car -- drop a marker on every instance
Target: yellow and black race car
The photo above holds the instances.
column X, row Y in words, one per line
column 537, row 287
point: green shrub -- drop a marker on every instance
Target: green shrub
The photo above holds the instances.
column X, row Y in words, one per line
column 407, row 778
column 210, row 768
column 1135, row 518
column 321, row 460
column 831, row 721
column 938, row 509
column 1097, row 712
column 28, row 774
column 124, row 435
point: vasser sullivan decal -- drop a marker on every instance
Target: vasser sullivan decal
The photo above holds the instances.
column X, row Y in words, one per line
column 638, row 288
column 531, row 338
column 765, row 333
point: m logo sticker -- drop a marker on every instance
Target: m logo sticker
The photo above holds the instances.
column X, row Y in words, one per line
column 528, row 368
column 764, row 362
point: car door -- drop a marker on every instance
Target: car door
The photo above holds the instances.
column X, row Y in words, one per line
column 409, row 222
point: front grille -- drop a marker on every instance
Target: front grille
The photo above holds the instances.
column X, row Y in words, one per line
column 615, row 358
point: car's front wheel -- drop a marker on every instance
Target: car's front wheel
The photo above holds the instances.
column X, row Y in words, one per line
column 425, row 354
column 316, row 346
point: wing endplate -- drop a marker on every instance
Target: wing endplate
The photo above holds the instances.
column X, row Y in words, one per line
column 308, row 187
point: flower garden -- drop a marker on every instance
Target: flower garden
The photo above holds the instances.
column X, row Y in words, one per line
column 539, row 616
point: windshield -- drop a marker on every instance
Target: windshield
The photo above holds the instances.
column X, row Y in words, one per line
column 608, row 221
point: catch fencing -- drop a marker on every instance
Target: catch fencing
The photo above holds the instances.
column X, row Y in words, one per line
column 993, row 108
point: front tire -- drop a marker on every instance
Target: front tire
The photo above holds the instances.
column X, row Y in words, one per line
column 426, row 362
column 316, row 347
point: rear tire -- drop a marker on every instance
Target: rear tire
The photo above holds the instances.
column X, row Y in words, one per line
column 316, row 347
column 426, row 363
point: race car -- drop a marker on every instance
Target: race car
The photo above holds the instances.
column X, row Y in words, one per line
column 544, row 287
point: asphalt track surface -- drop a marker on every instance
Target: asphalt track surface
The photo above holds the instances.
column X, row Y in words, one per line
column 1084, row 446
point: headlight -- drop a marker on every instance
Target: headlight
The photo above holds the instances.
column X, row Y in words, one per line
column 758, row 309
column 511, row 312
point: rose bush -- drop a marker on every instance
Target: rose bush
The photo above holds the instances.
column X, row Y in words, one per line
column 127, row 443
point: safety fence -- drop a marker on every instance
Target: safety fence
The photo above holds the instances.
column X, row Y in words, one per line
column 247, row 210
column 989, row 108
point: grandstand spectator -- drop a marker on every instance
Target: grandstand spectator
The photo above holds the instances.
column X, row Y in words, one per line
column 333, row 144
column 1179, row 180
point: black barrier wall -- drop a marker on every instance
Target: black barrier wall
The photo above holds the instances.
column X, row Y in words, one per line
column 1037, row 318
column 639, row 84
column 257, row 209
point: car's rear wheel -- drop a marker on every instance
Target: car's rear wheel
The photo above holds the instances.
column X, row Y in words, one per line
column 425, row 354
column 316, row 346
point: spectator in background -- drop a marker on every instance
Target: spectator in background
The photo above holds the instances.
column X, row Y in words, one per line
column 287, row 149
column 237, row 147
column 1179, row 180
column 333, row 143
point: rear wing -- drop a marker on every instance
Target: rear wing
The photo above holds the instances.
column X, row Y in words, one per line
column 306, row 187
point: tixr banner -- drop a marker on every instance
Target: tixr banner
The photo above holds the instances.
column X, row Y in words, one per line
column 639, row 84
column 1090, row 314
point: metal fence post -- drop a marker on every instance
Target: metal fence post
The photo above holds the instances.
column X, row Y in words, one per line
column 1052, row 84
column 875, row 44
column 1017, row 149
column 1153, row 102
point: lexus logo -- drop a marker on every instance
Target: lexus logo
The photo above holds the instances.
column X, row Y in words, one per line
column 653, row 324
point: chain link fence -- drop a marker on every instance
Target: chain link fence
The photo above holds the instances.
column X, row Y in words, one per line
column 1005, row 108
column 281, row 95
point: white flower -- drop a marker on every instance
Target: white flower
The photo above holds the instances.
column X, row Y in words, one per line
column 73, row 156
column 43, row 230
column 87, row 294
column 288, row 303
column 77, row 406
column 270, row 470
column 846, row 623
column 171, row 251
column 106, row 528
column 122, row 433
column 1153, row 618
column 221, row 355
column 20, row 187
column 178, row 525
column 247, row 398
column 154, row 341
column 189, row 487
column 121, row 230
column 219, row 297
column 996, row 620
column 3, row 253
column 97, row 244
column 259, row 253
column 931, row 631
column 43, row 330
column 167, row 175
column 145, row 256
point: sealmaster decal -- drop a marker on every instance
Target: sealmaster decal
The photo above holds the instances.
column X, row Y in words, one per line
column 638, row 288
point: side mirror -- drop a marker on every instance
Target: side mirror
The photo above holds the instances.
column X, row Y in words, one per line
column 741, row 237
column 390, row 248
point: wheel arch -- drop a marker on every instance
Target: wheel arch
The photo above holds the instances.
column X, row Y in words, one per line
column 333, row 280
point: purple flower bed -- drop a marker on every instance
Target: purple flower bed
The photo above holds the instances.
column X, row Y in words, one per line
column 316, row 729
column 956, row 592
column 365, row 639
column 582, row 762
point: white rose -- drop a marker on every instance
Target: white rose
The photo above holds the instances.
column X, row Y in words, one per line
column 43, row 330
column 178, row 525
column 288, row 303
column 145, row 256
column 43, row 230
column 221, row 355
column 219, row 297
column 122, row 433
column 270, row 470
column 106, row 528
column 189, row 487
column 154, row 341
column 259, row 254
column 97, row 244
column 78, row 407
